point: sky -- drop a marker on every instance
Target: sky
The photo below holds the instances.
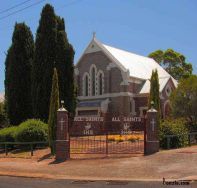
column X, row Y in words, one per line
column 139, row 26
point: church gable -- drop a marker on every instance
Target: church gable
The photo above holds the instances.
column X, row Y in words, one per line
column 168, row 88
column 95, row 70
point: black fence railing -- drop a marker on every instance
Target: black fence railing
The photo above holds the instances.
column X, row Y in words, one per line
column 18, row 147
column 191, row 139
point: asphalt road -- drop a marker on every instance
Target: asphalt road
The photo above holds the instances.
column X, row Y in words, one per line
column 15, row 182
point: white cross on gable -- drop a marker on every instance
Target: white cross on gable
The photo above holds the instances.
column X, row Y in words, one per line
column 62, row 123
column 153, row 123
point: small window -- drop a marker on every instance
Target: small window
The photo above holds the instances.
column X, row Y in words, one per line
column 168, row 90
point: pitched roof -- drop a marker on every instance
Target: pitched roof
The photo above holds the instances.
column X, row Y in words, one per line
column 138, row 66
column 162, row 83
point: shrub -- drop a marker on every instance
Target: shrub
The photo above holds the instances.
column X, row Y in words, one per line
column 173, row 127
column 32, row 131
column 8, row 134
column 3, row 118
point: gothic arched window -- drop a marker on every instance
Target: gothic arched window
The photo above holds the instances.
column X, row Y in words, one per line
column 86, row 85
column 100, row 84
column 93, row 81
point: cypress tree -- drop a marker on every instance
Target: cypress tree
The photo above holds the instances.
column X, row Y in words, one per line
column 52, row 46
column 18, row 67
column 54, row 106
column 65, row 67
column 154, row 91
column 45, row 48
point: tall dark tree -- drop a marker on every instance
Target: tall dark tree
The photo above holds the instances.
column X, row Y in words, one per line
column 154, row 91
column 45, row 57
column 52, row 48
column 65, row 67
column 18, row 67
column 173, row 62
column 54, row 106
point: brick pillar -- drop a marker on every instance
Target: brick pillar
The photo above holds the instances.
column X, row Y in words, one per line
column 152, row 140
column 62, row 136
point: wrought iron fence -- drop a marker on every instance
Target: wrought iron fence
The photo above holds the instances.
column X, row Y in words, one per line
column 191, row 139
column 15, row 148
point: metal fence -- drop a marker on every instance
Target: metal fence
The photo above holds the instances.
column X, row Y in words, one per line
column 15, row 148
column 191, row 138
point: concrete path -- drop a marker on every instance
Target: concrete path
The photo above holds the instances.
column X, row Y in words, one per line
column 172, row 164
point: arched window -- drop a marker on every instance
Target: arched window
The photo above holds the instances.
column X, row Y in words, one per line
column 93, row 81
column 100, row 84
column 86, row 85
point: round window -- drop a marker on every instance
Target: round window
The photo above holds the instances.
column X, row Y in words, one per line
column 168, row 90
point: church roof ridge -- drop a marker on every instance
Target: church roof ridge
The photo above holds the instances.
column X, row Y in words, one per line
column 127, row 51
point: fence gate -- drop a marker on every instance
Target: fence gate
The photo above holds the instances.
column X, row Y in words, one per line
column 106, row 135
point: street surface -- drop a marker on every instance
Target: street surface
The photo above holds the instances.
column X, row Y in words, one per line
column 15, row 182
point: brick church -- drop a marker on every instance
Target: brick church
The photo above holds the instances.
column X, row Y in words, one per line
column 117, row 81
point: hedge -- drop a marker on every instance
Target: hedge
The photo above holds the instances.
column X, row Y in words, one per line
column 32, row 131
column 29, row 131
column 174, row 127
column 8, row 134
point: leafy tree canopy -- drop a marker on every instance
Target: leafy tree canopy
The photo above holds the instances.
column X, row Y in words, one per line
column 184, row 99
column 173, row 62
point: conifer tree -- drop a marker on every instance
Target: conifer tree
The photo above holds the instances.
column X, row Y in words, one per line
column 52, row 46
column 54, row 106
column 45, row 55
column 154, row 91
column 65, row 66
column 18, row 66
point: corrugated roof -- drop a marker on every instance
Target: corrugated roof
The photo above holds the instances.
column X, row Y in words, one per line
column 138, row 66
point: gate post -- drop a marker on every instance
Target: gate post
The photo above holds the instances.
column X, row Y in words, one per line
column 62, row 135
column 152, row 140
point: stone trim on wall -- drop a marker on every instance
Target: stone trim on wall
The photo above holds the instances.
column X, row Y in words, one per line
column 107, row 95
column 141, row 110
